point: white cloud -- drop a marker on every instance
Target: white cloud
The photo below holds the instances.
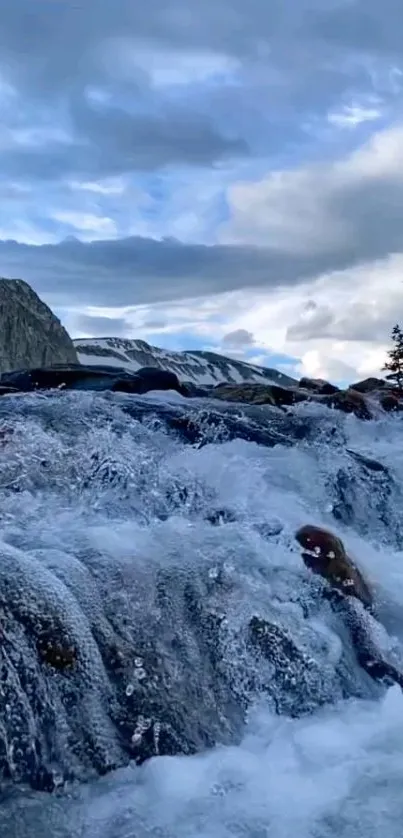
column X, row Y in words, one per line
column 107, row 186
column 168, row 68
column 354, row 348
column 324, row 208
column 352, row 115
column 90, row 226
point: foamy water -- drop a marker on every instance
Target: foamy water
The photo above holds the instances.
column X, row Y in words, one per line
column 336, row 772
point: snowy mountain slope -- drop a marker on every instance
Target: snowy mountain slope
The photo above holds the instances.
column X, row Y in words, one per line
column 202, row 368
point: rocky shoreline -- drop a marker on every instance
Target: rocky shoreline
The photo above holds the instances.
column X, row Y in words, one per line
column 365, row 399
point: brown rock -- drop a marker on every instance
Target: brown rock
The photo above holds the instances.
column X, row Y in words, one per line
column 368, row 385
column 318, row 385
column 258, row 394
column 349, row 401
column 325, row 555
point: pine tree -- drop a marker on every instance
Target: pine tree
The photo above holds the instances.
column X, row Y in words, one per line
column 395, row 358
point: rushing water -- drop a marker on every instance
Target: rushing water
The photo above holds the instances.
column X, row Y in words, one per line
column 115, row 482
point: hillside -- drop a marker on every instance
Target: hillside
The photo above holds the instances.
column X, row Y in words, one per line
column 198, row 367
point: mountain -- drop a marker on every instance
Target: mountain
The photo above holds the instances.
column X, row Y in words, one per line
column 30, row 334
column 200, row 368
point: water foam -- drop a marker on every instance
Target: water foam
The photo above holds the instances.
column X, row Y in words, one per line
column 118, row 490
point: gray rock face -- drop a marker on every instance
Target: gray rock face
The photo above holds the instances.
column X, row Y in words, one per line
column 30, row 334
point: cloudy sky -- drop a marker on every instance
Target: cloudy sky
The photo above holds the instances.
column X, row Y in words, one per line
column 209, row 173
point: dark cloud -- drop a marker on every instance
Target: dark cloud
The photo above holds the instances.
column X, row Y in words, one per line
column 79, row 100
column 101, row 326
column 111, row 141
column 78, row 66
column 50, row 44
column 117, row 272
column 154, row 324
column 238, row 339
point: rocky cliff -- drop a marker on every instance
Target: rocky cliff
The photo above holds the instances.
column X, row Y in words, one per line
column 30, row 334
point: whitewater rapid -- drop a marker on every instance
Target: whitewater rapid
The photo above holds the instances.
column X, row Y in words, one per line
column 80, row 471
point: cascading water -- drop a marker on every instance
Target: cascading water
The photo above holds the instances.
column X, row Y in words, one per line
column 141, row 539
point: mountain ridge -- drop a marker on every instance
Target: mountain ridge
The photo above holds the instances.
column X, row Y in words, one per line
column 194, row 366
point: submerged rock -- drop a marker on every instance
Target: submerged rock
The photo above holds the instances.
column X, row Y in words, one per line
column 96, row 672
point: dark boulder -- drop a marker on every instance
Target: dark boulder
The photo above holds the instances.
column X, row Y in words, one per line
column 6, row 391
column 94, row 377
column 367, row 462
column 193, row 391
column 391, row 403
column 271, row 394
column 368, row 385
column 349, row 401
column 153, row 378
column 318, row 385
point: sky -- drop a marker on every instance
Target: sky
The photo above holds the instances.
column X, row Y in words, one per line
column 223, row 174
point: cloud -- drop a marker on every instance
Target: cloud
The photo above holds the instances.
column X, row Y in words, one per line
column 238, row 339
column 240, row 155
column 338, row 213
column 292, row 226
column 270, row 315
column 87, row 325
column 94, row 90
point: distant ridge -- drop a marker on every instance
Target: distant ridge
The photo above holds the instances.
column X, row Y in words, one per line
column 195, row 366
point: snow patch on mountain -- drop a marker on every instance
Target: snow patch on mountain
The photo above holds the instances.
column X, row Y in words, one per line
column 198, row 367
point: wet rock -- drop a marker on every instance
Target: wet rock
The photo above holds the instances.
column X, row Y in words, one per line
column 271, row 394
column 368, row 385
column 295, row 684
column 391, row 403
column 362, row 629
column 153, row 378
column 368, row 462
column 349, row 401
column 324, row 554
column 6, row 391
column 318, row 385
column 193, row 391
column 94, row 377
column 269, row 529
column 217, row 517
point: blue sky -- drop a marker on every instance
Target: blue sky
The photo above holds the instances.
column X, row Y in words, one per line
column 217, row 168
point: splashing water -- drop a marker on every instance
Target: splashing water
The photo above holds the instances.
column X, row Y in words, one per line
column 104, row 487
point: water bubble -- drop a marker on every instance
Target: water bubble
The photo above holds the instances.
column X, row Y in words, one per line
column 139, row 674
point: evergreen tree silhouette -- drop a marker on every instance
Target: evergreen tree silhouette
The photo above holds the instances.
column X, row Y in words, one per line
column 394, row 364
